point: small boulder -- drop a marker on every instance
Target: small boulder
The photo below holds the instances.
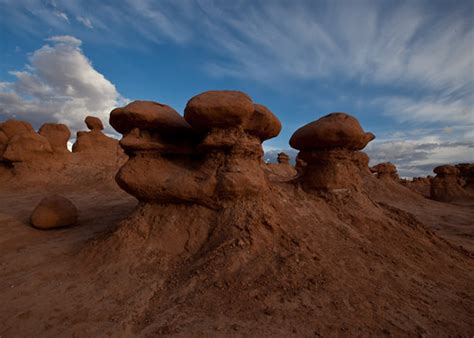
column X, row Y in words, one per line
column 57, row 135
column 94, row 123
column 54, row 212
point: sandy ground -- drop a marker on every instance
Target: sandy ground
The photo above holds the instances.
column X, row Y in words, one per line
column 47, row 291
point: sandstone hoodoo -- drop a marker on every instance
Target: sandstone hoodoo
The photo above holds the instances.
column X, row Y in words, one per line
column 385, row 171
column 54, row 212
column 213, row 153
column 330, row 147
column 57, row 135
column 95, row 142
column 9, row 129
column 446, row 185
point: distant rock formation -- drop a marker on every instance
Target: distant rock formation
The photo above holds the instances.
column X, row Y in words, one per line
column 281, row 171
column 57, row 135
column 420, row 185
column 446, row 186
column 385, row 171
column 330, row 148
column 27, row 156
column 53, row 212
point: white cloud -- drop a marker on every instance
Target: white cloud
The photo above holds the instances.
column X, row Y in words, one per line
column 59, row 84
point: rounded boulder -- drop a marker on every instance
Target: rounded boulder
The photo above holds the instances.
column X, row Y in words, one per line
column 54, row 212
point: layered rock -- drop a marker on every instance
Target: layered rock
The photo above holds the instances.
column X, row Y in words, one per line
column 330, row 147
column 57, row 134
column 212, row 154
column 446, row 186
column 385, row 171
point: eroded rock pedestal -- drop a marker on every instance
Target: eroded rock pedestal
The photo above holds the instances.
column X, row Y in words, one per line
column 211, row 155
column 330, row 148
column 446, row 185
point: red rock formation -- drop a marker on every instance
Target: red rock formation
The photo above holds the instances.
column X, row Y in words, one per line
column 330, row 148
column 53, row 212
column 96, row 143
column 421, row 185
column 283, row 170
column 27, row 147
column 386, row 171
column 466, row 171
column 446, row 185
column 94, row 123
column 57, row 135
column 213, row 153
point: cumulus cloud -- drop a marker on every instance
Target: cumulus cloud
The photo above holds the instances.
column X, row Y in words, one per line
column 59, row 84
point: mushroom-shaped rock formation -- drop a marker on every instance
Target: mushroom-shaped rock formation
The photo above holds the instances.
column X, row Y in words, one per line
column 385, row 171
column 283, row 158
column 57, row 135
column 160, row 144
column 446, row 185
column 330, row 147
column 211, row 154
column 27, row 147
column 53, row 212
column 94, row 123
column 97, row 144
column 281, row 171
column 232, row 145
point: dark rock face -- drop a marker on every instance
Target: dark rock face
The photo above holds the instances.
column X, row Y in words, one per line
column 214, row 153
column 329, row 147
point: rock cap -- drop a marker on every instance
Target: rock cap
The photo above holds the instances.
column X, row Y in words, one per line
column 94, row 123
column 336, row 130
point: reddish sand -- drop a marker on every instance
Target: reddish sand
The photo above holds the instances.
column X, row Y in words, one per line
column 298, row 265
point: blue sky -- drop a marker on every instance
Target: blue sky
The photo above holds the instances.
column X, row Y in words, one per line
column 405, row 69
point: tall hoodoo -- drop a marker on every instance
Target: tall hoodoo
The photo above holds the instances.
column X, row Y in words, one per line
column 331, row 148
column 211, row 154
